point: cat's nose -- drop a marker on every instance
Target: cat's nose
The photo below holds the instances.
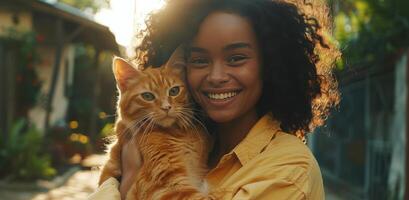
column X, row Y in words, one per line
column 166, row 106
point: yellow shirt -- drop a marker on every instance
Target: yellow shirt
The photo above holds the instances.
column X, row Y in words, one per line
column 267, row 164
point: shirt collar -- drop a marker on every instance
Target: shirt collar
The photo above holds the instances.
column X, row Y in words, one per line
column 257, row 139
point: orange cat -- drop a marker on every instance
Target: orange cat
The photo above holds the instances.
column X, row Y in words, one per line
column 154, row 111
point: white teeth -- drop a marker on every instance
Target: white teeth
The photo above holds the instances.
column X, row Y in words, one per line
column 221, row 96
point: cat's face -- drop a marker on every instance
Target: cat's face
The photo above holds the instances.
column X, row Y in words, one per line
column 153, row 96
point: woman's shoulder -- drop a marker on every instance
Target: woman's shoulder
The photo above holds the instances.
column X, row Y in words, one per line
column 285, row 157
column 284, row 166
column 288, row 150
column 288, row 159
column 267, row 146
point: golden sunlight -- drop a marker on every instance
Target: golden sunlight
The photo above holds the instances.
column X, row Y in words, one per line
column 125, row 17
column 144, row 7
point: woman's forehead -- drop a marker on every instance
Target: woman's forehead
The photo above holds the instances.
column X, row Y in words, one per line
column 221, row 28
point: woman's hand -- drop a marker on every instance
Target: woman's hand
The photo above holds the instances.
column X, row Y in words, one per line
column 131, row 162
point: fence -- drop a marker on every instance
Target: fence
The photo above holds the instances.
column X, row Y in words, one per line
column 361, row 150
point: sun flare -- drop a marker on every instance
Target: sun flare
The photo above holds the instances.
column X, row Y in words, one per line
column 125, row 17
column 143, row 8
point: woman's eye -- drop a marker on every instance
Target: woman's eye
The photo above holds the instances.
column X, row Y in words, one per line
column 198, row 62
column 174, row 91
column 148, row 96
column 236, row 59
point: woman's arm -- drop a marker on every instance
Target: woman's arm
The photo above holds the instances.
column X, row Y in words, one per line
column 131, row 162
column 112, row 189
column 270, row 189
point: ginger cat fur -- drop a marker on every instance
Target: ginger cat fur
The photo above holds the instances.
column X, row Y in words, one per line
column 154, row 110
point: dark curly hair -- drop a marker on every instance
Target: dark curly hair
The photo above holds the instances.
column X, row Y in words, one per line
column 299, row 88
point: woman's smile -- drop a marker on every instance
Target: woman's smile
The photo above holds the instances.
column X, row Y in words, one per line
column 224, row 94
column 221, row 99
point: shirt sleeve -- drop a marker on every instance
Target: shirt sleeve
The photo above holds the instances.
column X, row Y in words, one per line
column 270, row 189
column 107, row 191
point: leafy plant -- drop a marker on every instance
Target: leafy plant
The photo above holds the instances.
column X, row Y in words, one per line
column 28, row 83
column 64, row 143
column 107, row 130
column 22, row 156
column 370, row 30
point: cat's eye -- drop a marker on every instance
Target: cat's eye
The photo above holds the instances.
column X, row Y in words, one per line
column 174, row 91
column 148, row 96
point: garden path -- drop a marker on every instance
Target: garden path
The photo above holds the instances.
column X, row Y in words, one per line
column 78, row 186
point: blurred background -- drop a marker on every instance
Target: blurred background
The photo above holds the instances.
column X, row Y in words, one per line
column 57, row 96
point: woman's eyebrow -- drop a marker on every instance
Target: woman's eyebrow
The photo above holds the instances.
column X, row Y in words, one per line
column 196, row 50
column 237, row 46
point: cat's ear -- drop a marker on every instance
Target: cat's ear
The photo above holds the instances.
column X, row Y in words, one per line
column 124, row 72
column 176, row 62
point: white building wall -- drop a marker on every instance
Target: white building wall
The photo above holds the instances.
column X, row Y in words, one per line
column 25, row 21
column 60, row 101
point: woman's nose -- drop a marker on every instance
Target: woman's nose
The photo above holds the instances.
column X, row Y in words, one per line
column 217, row 75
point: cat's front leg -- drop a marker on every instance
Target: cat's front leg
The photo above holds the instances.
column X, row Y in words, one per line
column 112, row 167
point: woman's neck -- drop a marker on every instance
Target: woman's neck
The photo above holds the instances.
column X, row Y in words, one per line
column 230, row 134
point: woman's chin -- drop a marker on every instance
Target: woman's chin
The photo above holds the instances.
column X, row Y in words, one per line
column 220, row 117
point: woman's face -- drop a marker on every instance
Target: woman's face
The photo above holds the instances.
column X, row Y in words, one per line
column 223, row 69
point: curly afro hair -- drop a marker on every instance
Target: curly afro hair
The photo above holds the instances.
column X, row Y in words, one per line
column 299, row 88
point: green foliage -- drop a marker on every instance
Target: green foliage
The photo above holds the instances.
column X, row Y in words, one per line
column 21, row 154
column 93, row 5
column 28, row 84
column 370, row 30
column 107, row 130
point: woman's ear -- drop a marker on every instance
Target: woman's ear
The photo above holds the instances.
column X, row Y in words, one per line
column 124, row 73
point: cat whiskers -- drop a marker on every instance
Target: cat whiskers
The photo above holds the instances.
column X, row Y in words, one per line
column 137, row 125
column 110, row 116
column 149, row 127
column 193, row 117
column 191, row 106
column 185, row 115
column 184, row 122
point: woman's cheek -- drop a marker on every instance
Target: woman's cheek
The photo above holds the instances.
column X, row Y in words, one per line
column 194, row 80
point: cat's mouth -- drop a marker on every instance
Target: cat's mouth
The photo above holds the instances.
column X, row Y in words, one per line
column 166, row 121
column 221, row 95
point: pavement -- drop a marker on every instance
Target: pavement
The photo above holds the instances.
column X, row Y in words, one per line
column 78, row 186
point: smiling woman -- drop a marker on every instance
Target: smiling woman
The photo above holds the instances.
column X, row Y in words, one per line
column 260, row 73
